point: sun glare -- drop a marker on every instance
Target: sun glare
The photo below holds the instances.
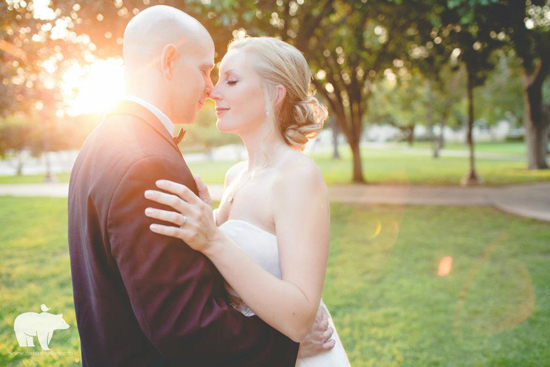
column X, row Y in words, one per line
column 98, row 86
column 445, row 266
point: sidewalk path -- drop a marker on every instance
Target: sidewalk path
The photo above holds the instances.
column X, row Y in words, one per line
column 527, row 200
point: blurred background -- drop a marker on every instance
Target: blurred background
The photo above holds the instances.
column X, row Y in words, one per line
column 435, row 152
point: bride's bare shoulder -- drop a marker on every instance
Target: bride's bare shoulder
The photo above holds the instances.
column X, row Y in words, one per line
column 299, row 171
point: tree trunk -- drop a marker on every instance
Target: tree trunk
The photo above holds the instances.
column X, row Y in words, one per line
column 19, row 165
column 442, row 134
column 471, row 177
column 335, row 133
column 357, row 166
column 430, row 121
column 49, row 177
column 433, row 141
column 410, row 135
column 536, row 125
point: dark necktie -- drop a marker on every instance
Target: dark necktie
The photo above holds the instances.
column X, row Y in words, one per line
column 179, row 138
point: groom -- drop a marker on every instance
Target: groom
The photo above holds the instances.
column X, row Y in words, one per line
column 142, row 299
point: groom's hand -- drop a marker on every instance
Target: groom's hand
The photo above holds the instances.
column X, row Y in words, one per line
column 319, row 338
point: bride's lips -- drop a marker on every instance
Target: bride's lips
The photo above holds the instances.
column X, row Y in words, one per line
column 221, row 110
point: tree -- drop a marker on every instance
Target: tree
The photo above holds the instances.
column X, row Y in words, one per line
column 352, row 50
column 401, row 99
column 502, row 95
column 528, row 28
column 525, row 26
column 466, row 28
column 446, row 94
column 17, row 136
column 35, row 51
column 348, row 44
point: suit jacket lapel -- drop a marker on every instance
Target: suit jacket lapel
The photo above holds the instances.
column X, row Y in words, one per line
column 137, row 110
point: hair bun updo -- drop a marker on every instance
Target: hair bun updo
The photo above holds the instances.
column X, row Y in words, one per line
column 309, row 117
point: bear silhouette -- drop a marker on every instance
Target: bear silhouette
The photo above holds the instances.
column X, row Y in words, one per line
column 30, row 324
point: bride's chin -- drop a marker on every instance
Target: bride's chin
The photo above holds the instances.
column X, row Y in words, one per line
column 221, row 127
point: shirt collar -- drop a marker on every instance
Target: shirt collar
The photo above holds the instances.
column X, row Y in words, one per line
column 168, row 124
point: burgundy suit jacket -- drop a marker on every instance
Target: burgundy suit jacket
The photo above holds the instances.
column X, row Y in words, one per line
column 143, row 299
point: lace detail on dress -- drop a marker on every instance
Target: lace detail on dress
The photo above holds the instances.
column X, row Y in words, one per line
column 238, row 304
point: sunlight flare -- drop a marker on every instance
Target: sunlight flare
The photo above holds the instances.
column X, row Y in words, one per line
column 98, row 86
column 445, row 266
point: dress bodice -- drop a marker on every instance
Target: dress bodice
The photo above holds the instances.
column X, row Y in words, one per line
column 259, row 245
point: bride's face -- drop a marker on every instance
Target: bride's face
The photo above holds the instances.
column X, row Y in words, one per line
column 240, row 101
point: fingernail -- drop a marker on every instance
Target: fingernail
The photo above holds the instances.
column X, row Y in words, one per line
column 148, row 194
column 154, row 226
column 160, row 182
column 148, row 211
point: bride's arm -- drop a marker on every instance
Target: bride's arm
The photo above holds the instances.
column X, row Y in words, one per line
column 302, row 220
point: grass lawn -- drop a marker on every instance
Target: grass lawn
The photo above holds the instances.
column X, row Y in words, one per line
column 398, row 167
column 389, row 304
column 25, row 179
column 395, row 164
column 512, row 148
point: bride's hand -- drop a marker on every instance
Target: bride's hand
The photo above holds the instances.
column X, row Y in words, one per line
column 204, row 194
column 193, row 217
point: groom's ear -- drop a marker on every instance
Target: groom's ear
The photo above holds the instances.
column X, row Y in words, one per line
column 281, row 94
column 167, row 59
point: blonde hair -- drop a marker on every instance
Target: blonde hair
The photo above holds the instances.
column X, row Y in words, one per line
column 301, row 116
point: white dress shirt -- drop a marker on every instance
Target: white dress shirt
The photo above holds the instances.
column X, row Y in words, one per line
column 168, row 124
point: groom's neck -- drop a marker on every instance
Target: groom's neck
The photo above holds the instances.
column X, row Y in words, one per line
column 148, row 95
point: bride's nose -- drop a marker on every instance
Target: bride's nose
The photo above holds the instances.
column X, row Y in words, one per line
column 209, row 87
column 215, row 94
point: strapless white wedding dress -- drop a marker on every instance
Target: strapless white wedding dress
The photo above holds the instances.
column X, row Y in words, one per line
column 261, row 246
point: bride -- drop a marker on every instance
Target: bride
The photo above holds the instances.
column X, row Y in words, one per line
column 269, row 238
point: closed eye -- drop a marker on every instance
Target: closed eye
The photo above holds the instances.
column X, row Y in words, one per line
column 231, row 82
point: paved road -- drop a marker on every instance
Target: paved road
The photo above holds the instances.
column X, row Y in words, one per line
column 527, row 200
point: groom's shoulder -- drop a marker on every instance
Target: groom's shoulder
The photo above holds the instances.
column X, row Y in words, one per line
column 127, row 137
column 122, row 143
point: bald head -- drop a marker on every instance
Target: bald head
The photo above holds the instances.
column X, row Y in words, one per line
column 152, row 29
column 168, row 58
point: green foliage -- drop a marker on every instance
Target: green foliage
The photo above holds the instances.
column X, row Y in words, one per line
column 402, row 102
column 18, row 134
column 350, row 47
column 502, row 95
column 203, row 134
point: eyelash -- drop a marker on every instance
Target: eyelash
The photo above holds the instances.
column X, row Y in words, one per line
column 231, row 82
